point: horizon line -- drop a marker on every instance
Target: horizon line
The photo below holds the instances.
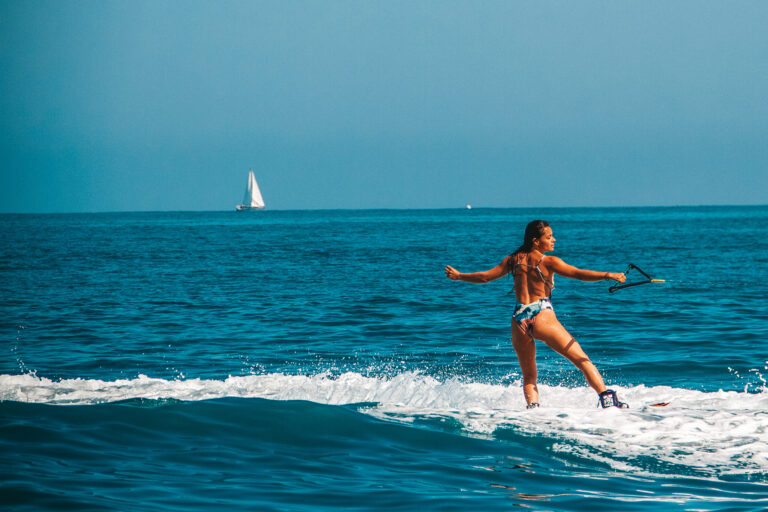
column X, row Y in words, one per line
column 92, row 212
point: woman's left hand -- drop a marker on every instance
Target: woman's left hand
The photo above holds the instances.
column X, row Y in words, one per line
column 616, row 276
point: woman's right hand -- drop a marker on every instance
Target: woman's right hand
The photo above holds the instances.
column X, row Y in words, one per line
column 452, row 273
column 616, row 276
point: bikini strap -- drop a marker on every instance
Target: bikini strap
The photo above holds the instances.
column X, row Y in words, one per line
column 515, row 263
column 550, row 284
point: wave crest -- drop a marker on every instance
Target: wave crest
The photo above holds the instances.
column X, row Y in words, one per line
column 722, row 432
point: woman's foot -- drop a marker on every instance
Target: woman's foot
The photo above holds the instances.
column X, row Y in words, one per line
column 608, row 398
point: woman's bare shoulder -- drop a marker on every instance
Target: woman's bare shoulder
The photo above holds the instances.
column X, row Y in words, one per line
column 554, row 262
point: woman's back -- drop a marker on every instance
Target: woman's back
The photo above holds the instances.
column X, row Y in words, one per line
column 533, row 281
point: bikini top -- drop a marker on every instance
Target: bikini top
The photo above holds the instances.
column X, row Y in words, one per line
column 518, row 264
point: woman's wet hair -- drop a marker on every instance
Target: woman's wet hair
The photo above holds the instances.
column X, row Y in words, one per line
column 534, row 229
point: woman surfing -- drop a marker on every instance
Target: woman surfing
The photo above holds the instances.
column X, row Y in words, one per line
column 534, row 318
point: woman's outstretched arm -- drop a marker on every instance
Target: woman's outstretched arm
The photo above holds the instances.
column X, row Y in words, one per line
column 496, row 272
column 562, row 268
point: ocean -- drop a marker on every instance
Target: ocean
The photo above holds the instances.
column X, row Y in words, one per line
column 315, row 360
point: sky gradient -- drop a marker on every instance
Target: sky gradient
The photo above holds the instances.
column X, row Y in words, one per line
column 153, row 105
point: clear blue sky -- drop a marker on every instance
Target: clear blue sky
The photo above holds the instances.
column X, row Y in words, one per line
column 165, row 105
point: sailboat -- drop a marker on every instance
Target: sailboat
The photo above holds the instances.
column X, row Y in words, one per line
column 253, row 199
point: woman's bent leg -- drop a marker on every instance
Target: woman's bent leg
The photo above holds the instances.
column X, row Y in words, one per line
column 525, row 349
column 549, row 329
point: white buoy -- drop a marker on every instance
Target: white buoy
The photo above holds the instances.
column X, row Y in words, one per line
column 469, row 206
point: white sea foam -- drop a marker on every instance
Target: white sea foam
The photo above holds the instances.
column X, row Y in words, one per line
column 723, row 430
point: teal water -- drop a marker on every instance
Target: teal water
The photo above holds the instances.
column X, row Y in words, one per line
column 307, row 360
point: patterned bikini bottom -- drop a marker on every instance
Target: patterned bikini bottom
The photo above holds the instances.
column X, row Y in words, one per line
column 525, row 314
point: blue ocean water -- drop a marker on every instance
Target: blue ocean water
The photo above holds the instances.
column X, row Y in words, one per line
column 310, row 360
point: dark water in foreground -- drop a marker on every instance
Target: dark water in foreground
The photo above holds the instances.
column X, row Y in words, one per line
column 312, row 360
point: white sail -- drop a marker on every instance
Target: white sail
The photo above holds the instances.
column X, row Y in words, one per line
column 252, row 197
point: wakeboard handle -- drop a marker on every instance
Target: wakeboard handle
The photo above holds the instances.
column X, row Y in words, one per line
column 648, row 279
